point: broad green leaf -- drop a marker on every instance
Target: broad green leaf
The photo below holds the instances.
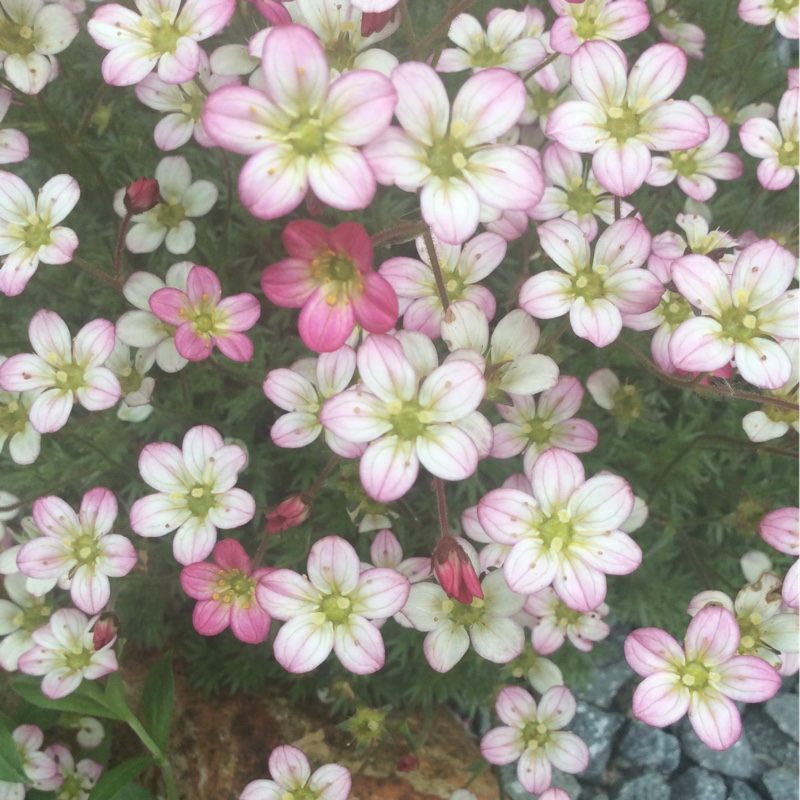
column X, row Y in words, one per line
column 11, row 768
column 158, row 701
column 118, row 780
column 84, row 700
column 114, row 696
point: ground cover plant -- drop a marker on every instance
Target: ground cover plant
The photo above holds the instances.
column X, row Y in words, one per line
column 391, row 352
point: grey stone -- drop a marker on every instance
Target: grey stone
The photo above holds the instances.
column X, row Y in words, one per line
column 738, row 761
column 782, row 784
column 650, row 748
column 698, row 784
column 604, row 682
column 515, row 791
column 597, row 728
column 785, row 713
column 743, row 791
column 650, row 786
column 771, row 746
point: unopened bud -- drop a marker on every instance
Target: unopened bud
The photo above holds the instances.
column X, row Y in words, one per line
column 407, row 763
column 293, row 511
column 142, row 195
column 374, row 21
column 105, row 630
column 455, row 572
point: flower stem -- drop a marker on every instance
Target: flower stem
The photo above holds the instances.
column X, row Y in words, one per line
column 160, row 757
column 118, row 255
column 441, row 507
column 441, row 289
column 549, row 60
column 399, row 234
column 96, row 271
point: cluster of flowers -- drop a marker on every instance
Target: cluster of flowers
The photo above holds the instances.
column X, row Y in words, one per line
column 315, row 122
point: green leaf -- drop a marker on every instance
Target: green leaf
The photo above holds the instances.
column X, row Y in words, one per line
column 82, row 701
column 134, row 792
column 158, row 701
column 115, row 783
column 114, row 696
column 11, row 767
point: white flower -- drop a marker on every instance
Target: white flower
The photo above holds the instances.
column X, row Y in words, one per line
column 14, row 145
column 20, row 615
column 24, row 440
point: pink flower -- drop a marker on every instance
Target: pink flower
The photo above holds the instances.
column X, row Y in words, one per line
column 30, row 232
column 704, row 679
column 610, row 20
column 779, row 529
column 329, row 274
column 203, row 319
column 195, row 493
column 332, row 609
column 226, row 594
column 621, row 119
column 41, row 769
column 14, row 145
column 24, row 441
column 740, row 312
column 292, row 777
column 596, row 290
column 300, row 131
column 786, row 16
column 452, row 157
column 690, row 38
column 407, row 423
column 80, row 546
column 454, row 571
column 778, row 147
column 567, row 533
column 64, row 653
column 63, row 369
column 697, row 168
column 160, row 35
column 79, row 779
column 555, row 622
column 533, row 734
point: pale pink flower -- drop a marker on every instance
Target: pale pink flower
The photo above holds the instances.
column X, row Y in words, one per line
column 183, row 105
column 63, row 370
column 374, row 6
column 607, row 20
column 595, row 289
column 533, row 734
column 386, row 551
column 226, row 594
column 24, row 441
column 487, row 622
column 786, row 16
column 273, row 11
column 556, row 622
column 780, row 529
column 64, row 653
column 32, row 34
column 195, row 492
column 696, row 169
column 79, row 778
column 204, row 319
column 163, row 34
column 302, row 389
column 41, row 769
column 566, row 533
column 573, row 193
column 740, row 313
column 80, row 546
column 673, row 29
column 332, row 609
column 534, row 427
column 292, row 777
column 704, row 679
column 301, row 131
column 778, row 146
column 137, row 390
column 29, row 228
column 14, row 145
column 20, row 616
column 329, row 275
column 769, row 421
column 621, row 119
column 506, row 43
column 451, row 156
column 462, row 266
column 169, row 222
column 142, row 328
column 407, row 424
column 8, row 559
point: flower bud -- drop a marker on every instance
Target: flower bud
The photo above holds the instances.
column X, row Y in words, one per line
column 142, row 195
column 455, row 572
column 293, row 511
column 407, row 763
column 105, row 630
column 374, row 21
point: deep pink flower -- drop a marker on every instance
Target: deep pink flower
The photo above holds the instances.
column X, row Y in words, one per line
column 203, row 319
column 329, row 274
column 620, row 119
column 704, row 679
column 226, row 594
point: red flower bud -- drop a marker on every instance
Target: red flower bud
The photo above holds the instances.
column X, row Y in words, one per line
column 374, row 21
column 293, row 511
column 455, row 572
column 105, row 630
column 407, row 763
column 142, row 195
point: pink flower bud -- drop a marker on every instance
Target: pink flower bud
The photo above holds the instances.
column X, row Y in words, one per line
column 290, row 513
column 105, row 630
column 374, row 21
column 142, row 195
column 455, row 572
